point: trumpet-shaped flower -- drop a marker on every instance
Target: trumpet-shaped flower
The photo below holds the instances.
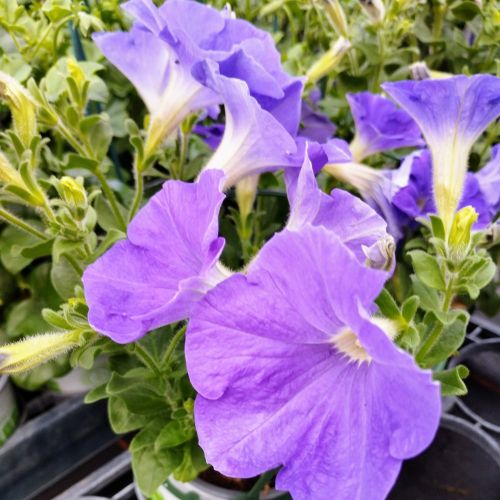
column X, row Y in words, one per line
column 380, row 126
column 292, row 371
column 415, row 198
column 166, row 264
column 316, row 126
column 377, row 187
column 158, row 54
column 451, row 113
column 359, row 227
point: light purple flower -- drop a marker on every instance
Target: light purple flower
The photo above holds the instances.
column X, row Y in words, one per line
column 166, row 264
column 158, row 53
column 452, row 113
column 489, row 181
column 380, row 126
column 356, row 224
column 292, row 371
column 377, row 187
column 254, row 141
column 315, row 125
column 211, row 134
column 415, row 199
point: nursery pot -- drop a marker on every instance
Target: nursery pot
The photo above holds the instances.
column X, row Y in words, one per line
column 482, row 402
column 200, row 489
column 462, row 462
column 9, row 412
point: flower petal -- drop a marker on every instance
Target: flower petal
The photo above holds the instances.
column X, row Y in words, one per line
column 155, row 276
column 254, row 141
column 380, row 125
column 273, row 392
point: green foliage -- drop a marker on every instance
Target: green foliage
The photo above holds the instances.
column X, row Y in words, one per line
column 80, row 169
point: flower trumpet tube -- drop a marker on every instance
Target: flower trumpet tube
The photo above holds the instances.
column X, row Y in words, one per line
column 328, row 61
column 32, row 351
column 169, row 39
column 452, row 113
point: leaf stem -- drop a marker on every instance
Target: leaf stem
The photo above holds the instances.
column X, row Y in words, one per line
column 110, row 196
column 15, row 221
column 173, row 344
column 139, row 188
column 146, row 359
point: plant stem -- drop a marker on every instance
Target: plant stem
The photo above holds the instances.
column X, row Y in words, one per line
column 15, row 221
column 110, row 196
column 146, row 359
column 173, row 344
column 74, row 264
column 139, row 188
column 254, row 493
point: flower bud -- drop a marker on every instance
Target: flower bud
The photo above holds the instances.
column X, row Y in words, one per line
column 246, row 191
column 336, row 16
column 21, row 105
column 460, row 233
column 375, row 9
column 32, row 351
column 328, row 61
column 8, row 174
column 73, row 192
column 381, row 255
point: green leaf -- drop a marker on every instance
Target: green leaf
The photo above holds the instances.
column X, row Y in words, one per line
column 193, row 462
column 141, row 396
column 437, row 227
column 121, row 419
column 410, row 307
column 451, row 380
column 96, row 394
column 13, row 242
column 466, row 11
column 151, row 468
column 429, row 298
column 175, row 433
column 452, row 326
column 387, row 305
column 64, row 278
column 427, row 269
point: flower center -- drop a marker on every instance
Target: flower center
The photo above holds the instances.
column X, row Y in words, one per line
column 347, row 342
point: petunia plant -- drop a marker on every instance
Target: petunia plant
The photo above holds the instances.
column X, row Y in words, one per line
column 272, row 293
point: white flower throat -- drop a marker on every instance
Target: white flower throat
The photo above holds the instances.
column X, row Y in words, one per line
column 347, row 342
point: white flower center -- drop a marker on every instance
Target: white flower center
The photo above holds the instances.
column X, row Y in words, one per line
column 347, row 342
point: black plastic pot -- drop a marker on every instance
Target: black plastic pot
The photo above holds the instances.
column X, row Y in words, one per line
column 463, row 462
column 482, row 402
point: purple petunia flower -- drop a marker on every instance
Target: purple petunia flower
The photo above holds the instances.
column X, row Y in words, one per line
column 169, row 39
column 356, row 224
column 254, row 140
column 292, row 370
column 316, row 126
column 377, row 187
column 489, row 181
column 166, row 264
column 416, row 199
column 380, row 126
column 452, row 113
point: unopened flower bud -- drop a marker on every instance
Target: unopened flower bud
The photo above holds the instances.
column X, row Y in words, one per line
column 8, row 174
column 328, row 61
column 460, row 233
column 73, row 192
column 32, row 351
column 246, row 191
column 21, row 105
column 381, row 255
column 375, row 9
column 336, row 16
